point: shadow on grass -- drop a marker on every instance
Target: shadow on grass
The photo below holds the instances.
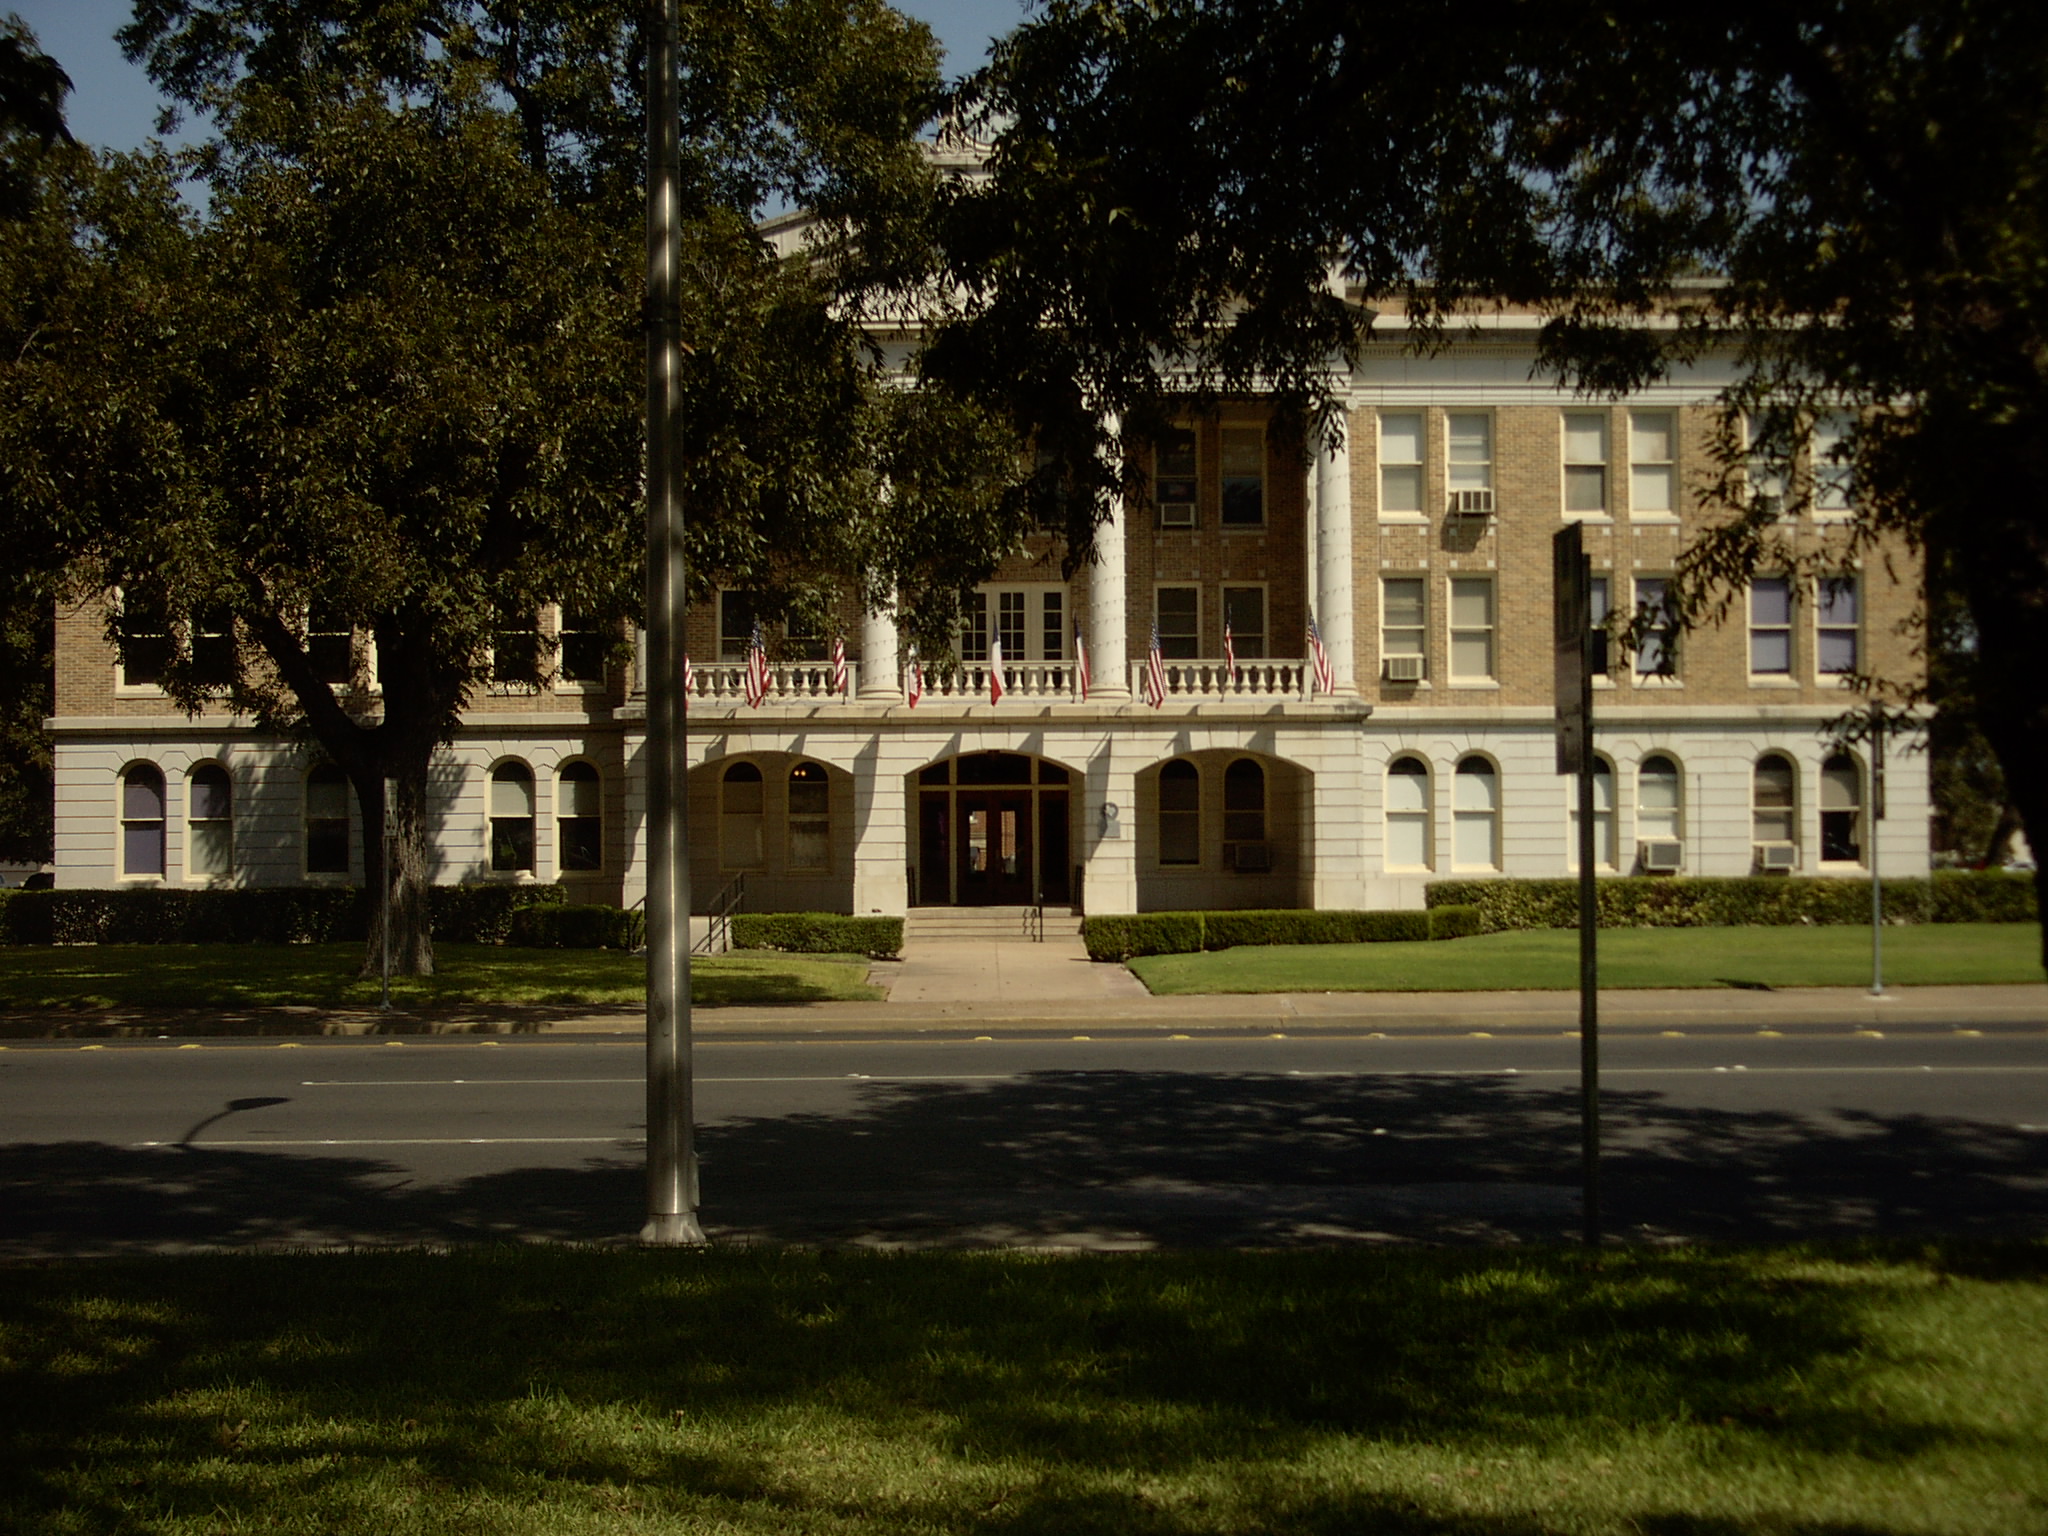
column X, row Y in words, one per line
column 231, row 1387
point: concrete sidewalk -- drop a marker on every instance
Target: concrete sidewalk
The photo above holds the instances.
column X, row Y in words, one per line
column 1003, row 1010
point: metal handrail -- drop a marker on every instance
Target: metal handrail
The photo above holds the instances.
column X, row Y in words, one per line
column 718, row 932
column 1034, row 921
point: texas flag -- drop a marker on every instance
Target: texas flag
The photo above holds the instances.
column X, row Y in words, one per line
column 998, row 684
column 915, row 687
column 1081, row 663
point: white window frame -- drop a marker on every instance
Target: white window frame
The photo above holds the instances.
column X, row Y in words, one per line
column 1420, row 629
column 1425, row 817
column 1672, row 639
column 1264, row 589
column 1789, row 627
column 1604, row 420
column 1161, row 812
column 1639, row 461
column 122, row 687
column 1854, row 628
column 536, row 842
column 348, row 837
column 558, row 616
column 1791, row 812
column 1608, row 820
column 162, row 822
column 192, row 875
column 1419, row 513
column 562, row 817
column 821, row 820
column 1463, row 816
column 1862, row 825
column 760, row 782
column 1483, row 481
column 520, row 688
column 1834, row 485
column 1677, row 807
column 1453, row 629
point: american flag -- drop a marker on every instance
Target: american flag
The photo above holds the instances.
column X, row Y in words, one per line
column 1229, row 656
column 997, row 682
column 839, row 664
column 1155, row 672
column 1081, row 662
column 689, row 676
column 1321, row 656
column 757, row 668
column 916, row 687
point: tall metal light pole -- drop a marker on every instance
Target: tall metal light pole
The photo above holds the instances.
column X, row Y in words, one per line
column 671, row 1154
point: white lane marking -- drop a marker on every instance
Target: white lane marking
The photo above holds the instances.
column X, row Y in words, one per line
column 418, row 1141
column 1606, row 1070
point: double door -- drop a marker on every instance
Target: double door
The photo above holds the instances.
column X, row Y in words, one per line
column 993, row 847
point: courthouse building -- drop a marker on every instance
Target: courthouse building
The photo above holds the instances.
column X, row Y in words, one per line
column 1422, row 548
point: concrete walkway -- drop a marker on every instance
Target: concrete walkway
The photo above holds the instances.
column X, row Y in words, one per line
column 1011, row 974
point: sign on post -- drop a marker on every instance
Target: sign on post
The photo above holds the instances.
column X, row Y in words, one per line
column 1572, row 613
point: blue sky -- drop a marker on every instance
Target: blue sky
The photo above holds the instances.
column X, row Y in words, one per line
column 113, row 104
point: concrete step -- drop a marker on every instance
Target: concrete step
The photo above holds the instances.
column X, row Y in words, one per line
column 983, row 924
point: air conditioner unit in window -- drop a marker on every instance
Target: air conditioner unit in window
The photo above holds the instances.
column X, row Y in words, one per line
column 1401, row 669
column 1251, row 858
column 1777, row 858
column 1176, row 514
column 1661, row 856
column 1472, row 503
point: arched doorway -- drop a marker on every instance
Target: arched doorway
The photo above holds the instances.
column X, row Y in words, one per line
column 993, row 830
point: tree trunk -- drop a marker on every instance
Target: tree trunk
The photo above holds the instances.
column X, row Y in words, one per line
column 412, row 940
column 1999, row 847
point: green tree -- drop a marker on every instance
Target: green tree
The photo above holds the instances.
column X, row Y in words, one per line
column 1845, row 195
column 391, row 374
column 32, row 91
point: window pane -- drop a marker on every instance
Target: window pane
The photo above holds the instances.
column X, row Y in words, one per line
column 1585, row 438
column 581, row 793
column 209, row 847
column 1585, row 488
column 1471, row 603
column 511, row 791
column 1244, row 456
column 1774, row 782
column 583, row 647
column 1770, row 651
column 1179, row 623
column 1770, row 601
column 1470, row 450
column 142, row 848
column 1407, row 786
column 210, row 796
column 1474, row 786
column 511, row 843
column 1403, row 603
column 1653, row 436
column 1657, row 784
column 1838, row 600
column 1244, row 608
column 1401, row 437
column 582, row 842
column 1180, row 787
column 1841, row 785
column 142, row 795
column 810, row 844
column 1408, row 841
column 1837, row 651
column 326, row 845
column 1650, row 487
column 809, row 792
column 1475, row 841
column 1180, row 837
column 327, row 797
column 1472, row 655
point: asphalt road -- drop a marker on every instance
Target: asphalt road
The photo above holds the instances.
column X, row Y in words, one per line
column 1099, row 1143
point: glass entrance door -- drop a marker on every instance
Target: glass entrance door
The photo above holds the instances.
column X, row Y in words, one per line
column 994, row 840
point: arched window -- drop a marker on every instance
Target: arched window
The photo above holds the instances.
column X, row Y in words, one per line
column 1475, row 815
column 1180, row 813
column 326, row 821
column 1244, row 802
column 1774, row 804
column 579, row 817
column 142, row 820
column 209, row 821
column 810, row 817
column 1408, row 814
column 1606, row 835
column 1659, row 800
column 739, row 842
column 512, row 817
column 1841, row 810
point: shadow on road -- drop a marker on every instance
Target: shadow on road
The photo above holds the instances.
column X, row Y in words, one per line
column 1104, row 1158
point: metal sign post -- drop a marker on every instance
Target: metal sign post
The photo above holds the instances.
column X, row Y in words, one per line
column 390, row 849
column 1877, row 725
column 671, row 1155
column 1572, row 634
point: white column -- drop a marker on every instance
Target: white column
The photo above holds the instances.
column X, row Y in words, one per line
column 878, row 678
column 1108, row 662
column 1335, row 610
column 881, row 848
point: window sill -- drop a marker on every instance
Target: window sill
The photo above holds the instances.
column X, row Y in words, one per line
column 139, row 691
column 1658, row 684
column 1656, row 519
column 1772, row 680
column 1475, row 685
column 580, row 688
column 1605, row 519
column 1404, row 519
column 142, row 879
column 1241, row 528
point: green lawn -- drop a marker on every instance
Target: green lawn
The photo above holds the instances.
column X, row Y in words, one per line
column 324, row 975
column 1629, row 957
column 1690, row 1392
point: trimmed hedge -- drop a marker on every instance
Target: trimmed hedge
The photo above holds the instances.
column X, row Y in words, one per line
column 577, row 927
column 818, row 933
column 460, row 914
column 1704, row 901
column 1124, row 937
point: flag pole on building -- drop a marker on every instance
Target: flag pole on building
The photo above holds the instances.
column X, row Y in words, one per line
column 671, row 1157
